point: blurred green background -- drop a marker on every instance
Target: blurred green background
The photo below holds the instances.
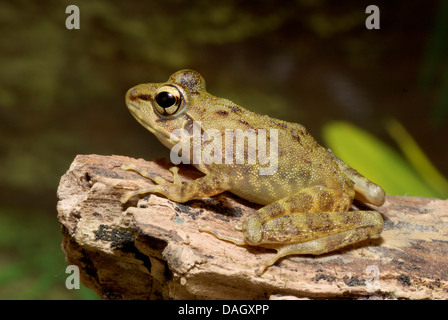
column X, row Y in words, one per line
column 377, row 98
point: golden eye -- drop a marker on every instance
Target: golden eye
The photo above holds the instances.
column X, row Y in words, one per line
column 168, row 100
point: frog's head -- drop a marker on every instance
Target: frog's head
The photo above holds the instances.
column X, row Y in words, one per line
column 162, row 107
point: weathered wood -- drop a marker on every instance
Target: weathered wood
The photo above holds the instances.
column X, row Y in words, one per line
column 151, row 248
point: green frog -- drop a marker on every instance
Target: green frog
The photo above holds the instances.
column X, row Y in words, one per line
column 306, row 197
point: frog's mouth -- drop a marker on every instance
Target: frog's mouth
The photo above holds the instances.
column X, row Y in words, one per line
column 149, row 124
column 135, row 111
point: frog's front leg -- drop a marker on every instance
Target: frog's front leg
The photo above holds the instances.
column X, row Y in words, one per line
column 313, row 221
column 206, row 186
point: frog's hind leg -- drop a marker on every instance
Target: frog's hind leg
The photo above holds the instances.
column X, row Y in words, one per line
column 369, row 226
column 364, row 224
column 313, row 221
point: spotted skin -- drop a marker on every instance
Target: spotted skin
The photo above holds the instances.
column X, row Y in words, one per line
column 306, row 200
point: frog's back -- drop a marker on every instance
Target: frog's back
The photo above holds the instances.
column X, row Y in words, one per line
column 301, row 163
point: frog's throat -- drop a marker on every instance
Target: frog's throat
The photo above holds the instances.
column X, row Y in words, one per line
column 150, row 127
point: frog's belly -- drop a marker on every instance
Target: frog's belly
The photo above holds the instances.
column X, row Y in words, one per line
column 255, row 198
column 265, row 191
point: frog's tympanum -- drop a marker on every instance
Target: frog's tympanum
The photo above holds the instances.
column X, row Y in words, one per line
column 306, row 199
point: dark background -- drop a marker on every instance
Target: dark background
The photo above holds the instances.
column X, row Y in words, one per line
column 312, row 62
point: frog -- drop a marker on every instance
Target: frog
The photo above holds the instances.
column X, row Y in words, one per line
column 305, row 202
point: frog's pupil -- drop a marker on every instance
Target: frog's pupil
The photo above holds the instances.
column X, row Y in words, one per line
column 165, row 99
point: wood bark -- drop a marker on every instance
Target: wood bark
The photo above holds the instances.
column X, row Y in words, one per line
column 151, row 248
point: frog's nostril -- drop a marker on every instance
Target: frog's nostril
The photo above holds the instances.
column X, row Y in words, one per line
column 133, row 94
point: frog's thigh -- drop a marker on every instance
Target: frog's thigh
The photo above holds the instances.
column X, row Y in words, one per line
column 360, row 225
column 309, row 200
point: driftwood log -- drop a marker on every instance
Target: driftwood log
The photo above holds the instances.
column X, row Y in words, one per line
column 150, row 248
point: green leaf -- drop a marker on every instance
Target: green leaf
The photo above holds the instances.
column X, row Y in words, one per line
column 417, row 158
column 375, row 160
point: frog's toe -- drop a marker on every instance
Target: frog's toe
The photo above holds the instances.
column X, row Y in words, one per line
column 219, row 235
column 174, row 170
column 128, row 195
column 154, row 178
column 129, row 167
column 176, row 177
column 161, row 181
column 260, row 270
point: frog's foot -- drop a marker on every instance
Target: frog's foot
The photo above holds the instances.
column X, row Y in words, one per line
column 322, row 245
column 284, row 251
column 281, row 252
column 154, row 178
column 369, row 227
column 216, row 234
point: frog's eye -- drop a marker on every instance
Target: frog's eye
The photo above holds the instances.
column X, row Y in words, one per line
column 168, row 100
